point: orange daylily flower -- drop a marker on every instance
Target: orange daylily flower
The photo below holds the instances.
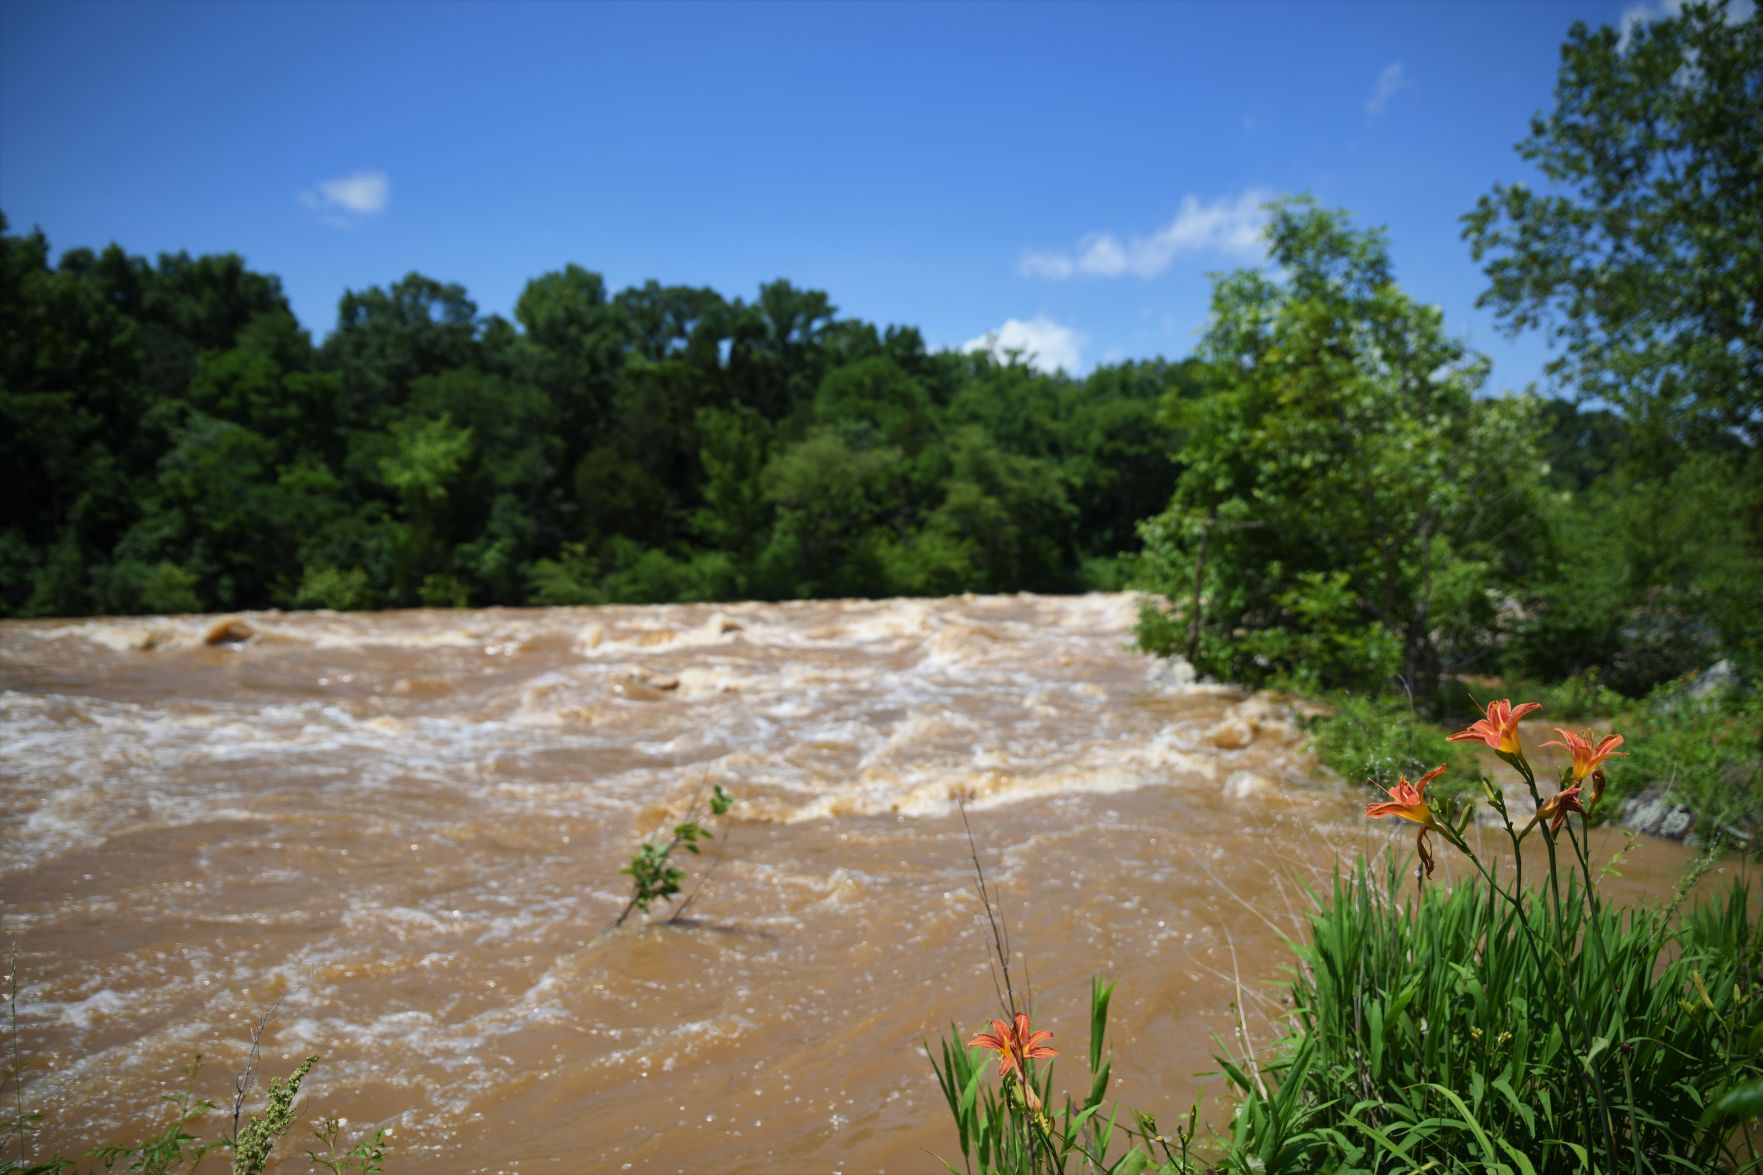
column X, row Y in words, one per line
column 1014, row 1043
column 1555, row 808
column 1499, row 729
column 1408, row 800
column 1586, row 757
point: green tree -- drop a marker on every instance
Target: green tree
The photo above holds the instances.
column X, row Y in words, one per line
column 732, row 449
column 212, row 510
column 775, row 357
column 1347, row 503
column 573, row 350
column 875, row 401
column 829, row 498
column 1003, row 523
column 1640, row 260
column 70, row 411
column 386, row 339
column 428, row 467
column 1641, row 255
column 1121, row 452
column 1648, row 575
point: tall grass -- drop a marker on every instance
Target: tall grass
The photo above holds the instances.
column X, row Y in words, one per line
column 1462, row 1031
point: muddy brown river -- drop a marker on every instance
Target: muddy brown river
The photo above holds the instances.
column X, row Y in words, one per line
column 408, row 828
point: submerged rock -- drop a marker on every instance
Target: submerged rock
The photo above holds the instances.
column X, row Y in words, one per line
column 1233, row 734
column 231, row 631
column 644, row 687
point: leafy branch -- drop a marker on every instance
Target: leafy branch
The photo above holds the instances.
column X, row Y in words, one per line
column 654, row 876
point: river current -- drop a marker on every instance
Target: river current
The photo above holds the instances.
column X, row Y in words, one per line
column 408, row 829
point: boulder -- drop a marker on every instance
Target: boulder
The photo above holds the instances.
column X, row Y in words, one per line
column 231, row 631
column 1233, row 734
column 1654, row 811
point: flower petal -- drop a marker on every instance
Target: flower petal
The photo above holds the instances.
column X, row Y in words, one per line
column 1420, row 784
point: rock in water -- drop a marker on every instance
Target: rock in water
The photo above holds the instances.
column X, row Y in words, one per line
column 231, row 631
column 1233, row 734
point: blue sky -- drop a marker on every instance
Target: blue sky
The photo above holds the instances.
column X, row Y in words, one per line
column 1074, row 170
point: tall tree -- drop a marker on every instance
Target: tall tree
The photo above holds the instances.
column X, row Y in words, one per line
column 1346, row 502
column 387, row 338
column 573, row 348
column 1642, row 257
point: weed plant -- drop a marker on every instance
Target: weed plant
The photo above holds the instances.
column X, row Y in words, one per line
column 654, row 876
column 1009, row 1128
column 177, row 1147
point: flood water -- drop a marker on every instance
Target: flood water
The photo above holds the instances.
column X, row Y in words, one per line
column 409, row 827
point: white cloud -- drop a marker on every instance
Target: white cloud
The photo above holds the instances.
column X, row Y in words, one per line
column 365, row 193
column 1226, row 225
column 1053, row 265
column 1045, row 344
column 1392, row 78
column 1737, row 12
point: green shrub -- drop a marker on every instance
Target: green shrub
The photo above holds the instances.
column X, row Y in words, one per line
column 443, row 589
column 1584, row 695
column 1377, row 740
column 1707, row 752
column 169, row 588
column 344, row 590
column 1108, row 573
column 1326, row 641
column 570, row 578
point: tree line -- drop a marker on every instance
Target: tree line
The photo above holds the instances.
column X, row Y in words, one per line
column 184, row 446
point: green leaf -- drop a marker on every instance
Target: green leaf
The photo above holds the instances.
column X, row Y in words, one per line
column 1131, row 1163
column 1742, row 1101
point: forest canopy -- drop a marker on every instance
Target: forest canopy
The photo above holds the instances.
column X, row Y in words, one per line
column 187, row 447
